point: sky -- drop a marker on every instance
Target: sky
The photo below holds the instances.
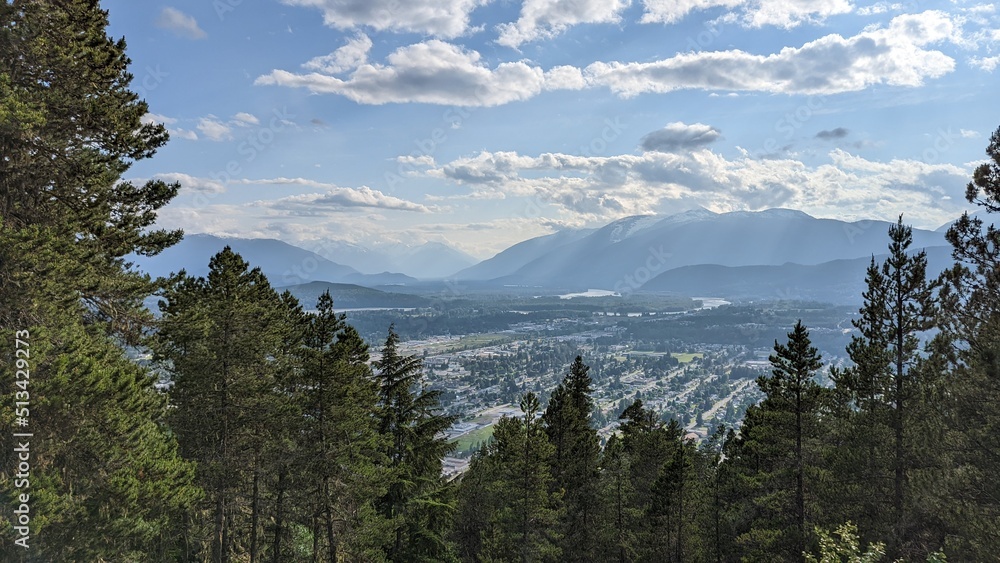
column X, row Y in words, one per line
column 482, row 123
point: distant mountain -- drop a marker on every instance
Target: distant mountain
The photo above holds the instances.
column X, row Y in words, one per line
column 837, row 281
column 629, row 252
column 282, row 263
column 515, row 257
column 349, row 296
column 431, row 260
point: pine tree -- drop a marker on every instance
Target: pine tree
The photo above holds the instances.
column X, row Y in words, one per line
column 417, row 503
column 107, row 481
column 575, row 460
column 775, row 453
column 965, row 490
column 524, row 523
column 341, row 455
column 899, row 307
column 69, row 128
column 222, row 337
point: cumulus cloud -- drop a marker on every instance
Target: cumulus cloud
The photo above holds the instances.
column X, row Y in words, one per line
column 544, row 19
column 791, row 13
column 831, row 134
column 350, row 56
column 672, row 11
column 180, row 24
column 216, row 130
column 443, row 18
column 438, row 72
column 989, row 64
column 242, row 118
column 679, row 136
column 602, row 188
column 432, row 72
column 828, row 65
column 333, row 199
column 188, row 182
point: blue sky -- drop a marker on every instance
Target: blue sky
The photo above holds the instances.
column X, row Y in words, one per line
column 481, row 123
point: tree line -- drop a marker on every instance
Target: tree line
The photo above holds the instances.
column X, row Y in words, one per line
column 279, row 439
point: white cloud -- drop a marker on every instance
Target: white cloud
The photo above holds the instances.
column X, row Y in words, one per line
column 791, row 13
column 544, row 19
column 183, row 134
column 437, row 72
column 431, row 72
column 188, row 182
column 672, row 11
column 989, row 64
column 349, row 57
column 828, row 65
column 243, row 119
column 151, row 118
column 211, row 127
column 967, row 134
column 180, row 24
column 603, row 188
column 680, row 136
column 334, row 199
column 564, row 78
column 443, row 18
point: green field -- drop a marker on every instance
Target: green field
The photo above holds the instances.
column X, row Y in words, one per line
column 472, row 438
column 687, row 356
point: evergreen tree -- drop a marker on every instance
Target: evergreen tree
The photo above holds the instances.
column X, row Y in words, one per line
column 342, row 460
column 417, row 503
column 222, row 338
column 965, row 490
column 106, row 480
column 523, row 526
column 575, row 460
column 69, row 129
column 899, row 306
column 776, row 453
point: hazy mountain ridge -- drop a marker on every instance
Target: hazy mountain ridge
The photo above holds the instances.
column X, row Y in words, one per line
column 282, row 263
column 430, row 260
column 350, row 296
column 836, row 281
column 620, row 256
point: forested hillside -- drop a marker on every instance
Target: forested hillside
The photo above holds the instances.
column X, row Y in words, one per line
column 283, row 437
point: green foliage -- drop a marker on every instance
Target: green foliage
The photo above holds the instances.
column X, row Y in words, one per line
column 417, row 503
column 575, row 460
column 224, row 339
column 106, row 480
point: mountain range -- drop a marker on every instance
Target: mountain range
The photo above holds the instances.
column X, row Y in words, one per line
column 626, row 254
column 776, row 253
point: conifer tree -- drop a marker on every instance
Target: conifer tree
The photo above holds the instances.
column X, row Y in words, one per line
column 222, row 338
column 575, row 460
column 107, row 482
column 899, row 306
column 341, row 455
column 417, row 503
column 524, row 524
column 965, row 490
column 776, row 455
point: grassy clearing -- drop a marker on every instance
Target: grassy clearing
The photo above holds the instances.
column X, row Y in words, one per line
column 478, row 435
column 686, row 357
